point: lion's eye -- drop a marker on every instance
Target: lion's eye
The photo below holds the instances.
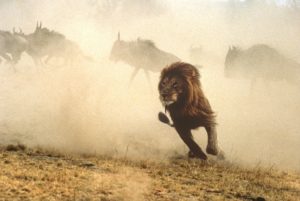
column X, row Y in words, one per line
column 164, row 83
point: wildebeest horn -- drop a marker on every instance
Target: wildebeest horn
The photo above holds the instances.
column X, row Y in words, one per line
column 39, row 25
column 119, row 37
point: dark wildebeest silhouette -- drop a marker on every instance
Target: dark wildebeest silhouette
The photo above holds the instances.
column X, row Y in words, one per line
column 51, row 44
column 261, row 62
column 12, row 45
column 42, row 43
column 141, row 54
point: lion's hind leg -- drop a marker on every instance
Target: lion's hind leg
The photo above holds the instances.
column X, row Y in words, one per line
column 212, row 142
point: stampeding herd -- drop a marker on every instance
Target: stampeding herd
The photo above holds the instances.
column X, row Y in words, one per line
column 42, row 45
column 179, row 86
column 259, row 62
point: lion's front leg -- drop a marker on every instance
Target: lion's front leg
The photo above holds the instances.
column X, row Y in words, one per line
column 212, row 142
column 186, row 136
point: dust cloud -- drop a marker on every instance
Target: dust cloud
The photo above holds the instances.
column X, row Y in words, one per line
column 90, row 108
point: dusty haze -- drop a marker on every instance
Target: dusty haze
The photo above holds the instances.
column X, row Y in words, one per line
column 90, row 108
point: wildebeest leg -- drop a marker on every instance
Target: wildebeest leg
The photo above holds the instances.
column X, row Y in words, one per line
column 186, row 136
column 36, row 60
column 148, row 76
column 6, row 57
column 49, row 57
column 13, row 65
column 136, row 70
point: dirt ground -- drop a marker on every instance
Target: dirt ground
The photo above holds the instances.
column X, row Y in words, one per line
column 36, row 174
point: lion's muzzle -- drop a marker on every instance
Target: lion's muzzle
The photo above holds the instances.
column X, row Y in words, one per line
column 167, row 98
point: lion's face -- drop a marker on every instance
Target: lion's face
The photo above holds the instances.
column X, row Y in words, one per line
column 170, row 89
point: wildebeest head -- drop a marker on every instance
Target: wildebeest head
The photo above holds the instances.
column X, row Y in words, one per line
column 39, row 37
column 118, row 50
column 20, row 33
column 42, row 37
column 18, row 45
column 41, row 32
column 38, row 27
column 231, row 56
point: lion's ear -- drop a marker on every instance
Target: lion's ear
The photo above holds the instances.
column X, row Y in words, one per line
column 195, row 73
column 164, row 72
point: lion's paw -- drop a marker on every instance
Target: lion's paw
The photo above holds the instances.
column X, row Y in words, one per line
column 200, row 155
column 191, row 154
column 213, row 150
column 221, row 155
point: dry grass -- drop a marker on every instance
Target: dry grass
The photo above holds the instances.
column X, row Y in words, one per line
column 28, row 174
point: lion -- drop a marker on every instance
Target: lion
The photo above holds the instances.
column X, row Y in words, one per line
column 181, row 95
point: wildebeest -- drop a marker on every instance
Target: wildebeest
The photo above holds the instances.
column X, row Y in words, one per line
column 261, row 62
column 141, row 54
column 51, row 44
column 12, row 45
